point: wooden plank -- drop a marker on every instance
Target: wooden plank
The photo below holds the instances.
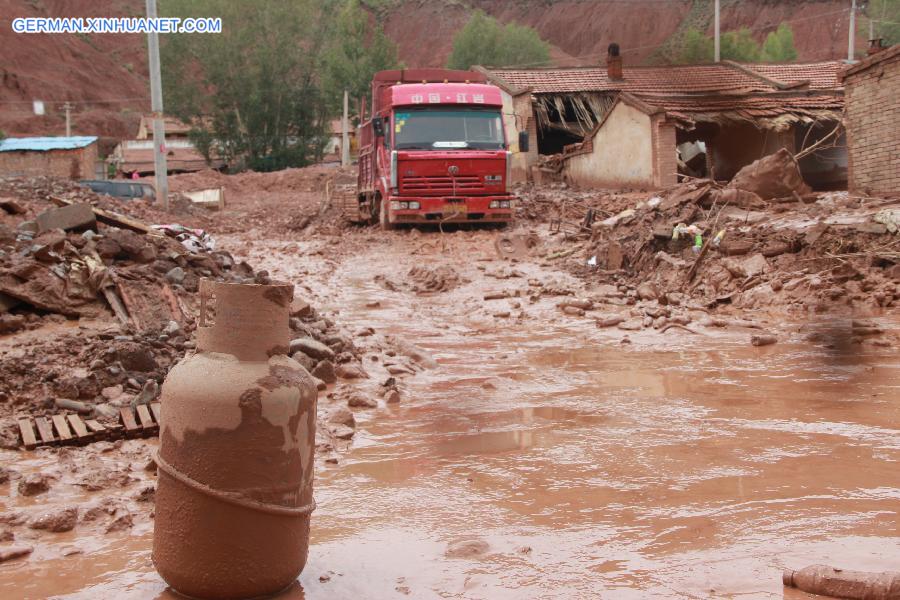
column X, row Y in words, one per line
column 95, row 426
column 62, row 428
column 128, row 421
column 143, row 414
column 109, row 217
column 157, row 411
column 78, row 427
column 45, row 430
column 27, row 431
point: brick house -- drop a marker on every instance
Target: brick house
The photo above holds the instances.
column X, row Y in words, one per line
column 641, row 127
column 873, row 122
column 72, row 157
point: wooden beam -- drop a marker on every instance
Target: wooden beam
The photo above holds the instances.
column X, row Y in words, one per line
column 27, row 431
column 62, row 428
column 45, row 430
column 78, row 427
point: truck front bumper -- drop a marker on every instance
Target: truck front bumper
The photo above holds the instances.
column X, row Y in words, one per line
column 472, row 209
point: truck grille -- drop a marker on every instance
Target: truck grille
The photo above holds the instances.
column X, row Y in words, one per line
column 442, row 185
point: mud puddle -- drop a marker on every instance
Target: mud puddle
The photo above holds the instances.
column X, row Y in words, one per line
column 544, row 459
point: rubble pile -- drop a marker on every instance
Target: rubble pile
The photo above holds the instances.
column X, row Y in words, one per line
column 116, row 302
column 774, row 243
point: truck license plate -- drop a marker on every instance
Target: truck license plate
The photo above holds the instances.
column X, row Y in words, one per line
column 454, row 209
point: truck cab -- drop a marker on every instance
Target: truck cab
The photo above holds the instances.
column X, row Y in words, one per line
column 434, row 150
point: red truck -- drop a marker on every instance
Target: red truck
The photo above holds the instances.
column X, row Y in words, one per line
column 434, row 150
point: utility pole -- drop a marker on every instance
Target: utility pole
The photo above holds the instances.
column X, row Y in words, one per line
column 851, row 42
column 68, row 106
column 345, row 133
column 159, row 132
column 717, row 57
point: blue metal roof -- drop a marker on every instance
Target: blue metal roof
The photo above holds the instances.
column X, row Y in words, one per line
column 42, row 144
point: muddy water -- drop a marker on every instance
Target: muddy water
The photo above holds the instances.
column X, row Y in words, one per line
column 673, row 467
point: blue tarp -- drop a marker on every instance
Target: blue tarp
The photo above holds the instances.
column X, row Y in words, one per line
column 42, row 144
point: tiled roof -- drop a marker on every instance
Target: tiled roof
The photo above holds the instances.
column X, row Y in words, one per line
column 722, row 78
column 752, row 106
column 43, row 144
column 753, row 90
column 820, row 75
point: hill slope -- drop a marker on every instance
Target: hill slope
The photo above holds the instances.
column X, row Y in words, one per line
column 106, row 75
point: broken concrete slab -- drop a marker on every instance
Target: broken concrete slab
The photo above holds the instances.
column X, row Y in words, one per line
column 73, row 216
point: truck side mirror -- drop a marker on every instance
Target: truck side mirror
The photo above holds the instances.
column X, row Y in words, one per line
column 378, row 126
column 523, row 141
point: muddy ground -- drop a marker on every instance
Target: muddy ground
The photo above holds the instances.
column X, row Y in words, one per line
column 576, row 434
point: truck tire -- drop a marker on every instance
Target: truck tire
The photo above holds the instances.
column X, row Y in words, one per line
column 383, row 216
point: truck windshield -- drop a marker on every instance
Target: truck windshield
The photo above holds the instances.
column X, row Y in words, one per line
column 448, row 129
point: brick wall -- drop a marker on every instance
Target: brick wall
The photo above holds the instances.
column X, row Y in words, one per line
column 665, row 160
column 72, row 164
column 872, row 98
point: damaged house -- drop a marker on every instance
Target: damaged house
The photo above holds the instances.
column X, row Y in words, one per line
column 642, row 127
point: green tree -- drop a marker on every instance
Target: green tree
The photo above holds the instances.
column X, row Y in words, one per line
column 739, row 46
column 254, row 86
column 886, row 17
column 356, row 51
column 483, row 41
column 696, row 47
column 779, row 45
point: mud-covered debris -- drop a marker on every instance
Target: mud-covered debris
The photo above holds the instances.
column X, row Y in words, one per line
column 763, row 339
column 360, row 400
column 56, row 521
column 312, row 348
column 5, row 474
column 350, row 371
column 122, row 520
column 34, row 484
column 325, row 371
column 341, row 415
column 471, row 548
column 11, row 552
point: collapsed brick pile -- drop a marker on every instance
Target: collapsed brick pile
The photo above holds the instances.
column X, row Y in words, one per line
column 135, row 289
column 778, row 243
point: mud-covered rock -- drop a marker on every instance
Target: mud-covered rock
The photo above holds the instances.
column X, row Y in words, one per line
column 341, row 415
column 470, row 548
column 135, row 357
column 324, row 370
column 359, row 400
column 312, row 348
column 350, row 371
column 34, row 484
column 56, row 521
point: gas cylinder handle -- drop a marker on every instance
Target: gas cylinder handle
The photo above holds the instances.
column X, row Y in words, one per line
column 233, row 497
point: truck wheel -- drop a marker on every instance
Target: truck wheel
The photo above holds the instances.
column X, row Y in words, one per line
column 383, row 216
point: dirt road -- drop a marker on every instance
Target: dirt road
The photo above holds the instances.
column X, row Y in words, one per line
column 544, row 457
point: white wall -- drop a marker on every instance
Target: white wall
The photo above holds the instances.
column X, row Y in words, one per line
column 622, row 153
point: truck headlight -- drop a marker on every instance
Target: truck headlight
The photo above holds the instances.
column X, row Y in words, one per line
column 395, row 205
column 404, row 205
column 414, row 206
column 505, row 204
column 494, row 204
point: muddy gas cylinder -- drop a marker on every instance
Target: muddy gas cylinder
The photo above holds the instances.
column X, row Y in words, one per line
column 235, row 460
